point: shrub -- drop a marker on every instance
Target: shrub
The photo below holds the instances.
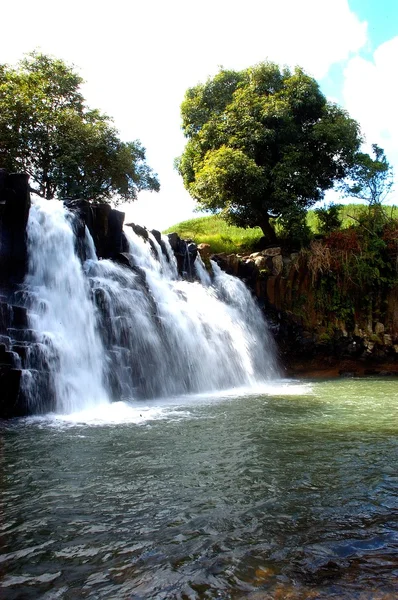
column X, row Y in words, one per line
column 328, row 218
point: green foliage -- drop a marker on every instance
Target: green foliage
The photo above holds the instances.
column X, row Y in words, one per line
column 261, row 141
column 352, row 269
column 369, row 179
column 329, row 218
column 67, row 149
column 293, row 228
column 349, row 215
column 330, row 299
column 215, row 231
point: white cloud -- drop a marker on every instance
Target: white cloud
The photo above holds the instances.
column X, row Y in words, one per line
column 138, row 58
column 370, row 95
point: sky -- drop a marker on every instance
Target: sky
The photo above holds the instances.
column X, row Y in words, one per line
column 139, row 58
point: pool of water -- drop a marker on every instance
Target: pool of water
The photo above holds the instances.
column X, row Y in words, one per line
column 288, row 492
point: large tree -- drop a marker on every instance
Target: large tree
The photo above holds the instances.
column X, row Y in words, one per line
column 263, row 141
column 68, row 149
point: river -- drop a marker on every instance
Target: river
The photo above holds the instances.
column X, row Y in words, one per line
column 289, row 491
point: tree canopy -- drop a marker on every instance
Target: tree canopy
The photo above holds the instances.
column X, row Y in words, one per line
column 68, row 149
column 261, row 142
column 369, row 179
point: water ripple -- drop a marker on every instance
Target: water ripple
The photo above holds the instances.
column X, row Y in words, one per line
column 285, row 496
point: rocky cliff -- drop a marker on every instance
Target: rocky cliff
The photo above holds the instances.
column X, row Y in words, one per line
column 320, row 327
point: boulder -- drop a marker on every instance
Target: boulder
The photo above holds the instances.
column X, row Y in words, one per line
column 123, row 258
column 193, row 251
column 101, row 229
column 157, row 235
column 271, row 251
column 233, row 263
column 174, row 240
column 205, row 250
column 260, row 262
column 138, row 230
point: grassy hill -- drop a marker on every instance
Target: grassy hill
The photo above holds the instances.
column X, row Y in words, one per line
column 227, row 238
column 215, row 231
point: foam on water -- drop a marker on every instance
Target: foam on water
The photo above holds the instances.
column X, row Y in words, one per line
column 175, row 408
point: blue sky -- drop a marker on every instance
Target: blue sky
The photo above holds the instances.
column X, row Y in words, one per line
column 138, row 58
column 381, row 17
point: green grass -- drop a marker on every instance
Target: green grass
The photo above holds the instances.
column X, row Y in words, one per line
column 215, row 231
column 226, row 238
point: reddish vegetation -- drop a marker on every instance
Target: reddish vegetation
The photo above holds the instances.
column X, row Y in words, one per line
column 390, row 237
column 346, row 240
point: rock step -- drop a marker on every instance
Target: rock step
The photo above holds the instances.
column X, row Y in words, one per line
column 10, row 404
column 22, row 335
column 8, row 357
column 41, row 391
column 6, row 341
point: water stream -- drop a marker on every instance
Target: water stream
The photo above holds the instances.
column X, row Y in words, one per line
column 287, row 493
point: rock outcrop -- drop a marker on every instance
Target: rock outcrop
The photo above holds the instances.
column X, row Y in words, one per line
column 14, row 212
column 185, row 252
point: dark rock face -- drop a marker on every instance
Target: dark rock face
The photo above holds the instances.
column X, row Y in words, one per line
column 185, row 252
column 115, row 232
column 123, row 258
column 10, row 381
column 174, row 240
column 138, row 230
column 14, row 212
column 157, row 235
column 21, row 356
column 105, row 225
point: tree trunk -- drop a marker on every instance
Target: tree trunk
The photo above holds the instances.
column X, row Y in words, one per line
column 268, row 230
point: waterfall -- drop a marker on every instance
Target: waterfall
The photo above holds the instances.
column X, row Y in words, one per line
column 110, row 331
column 61, row 311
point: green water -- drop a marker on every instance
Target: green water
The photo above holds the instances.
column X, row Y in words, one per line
column 290, row 494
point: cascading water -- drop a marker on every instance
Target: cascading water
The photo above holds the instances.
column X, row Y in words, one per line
column 108, row 330
column 62, row 313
